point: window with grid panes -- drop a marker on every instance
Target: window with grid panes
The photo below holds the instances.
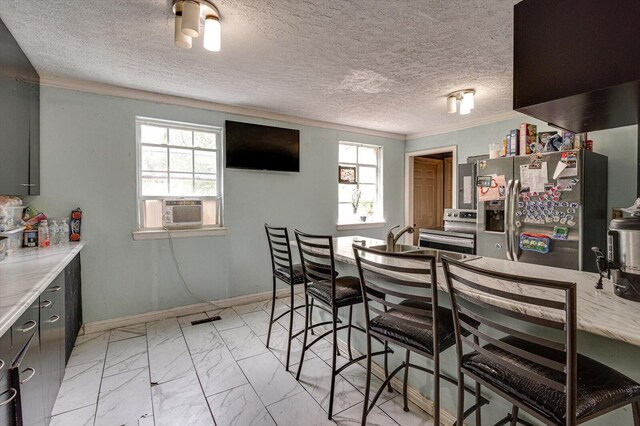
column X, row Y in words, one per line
column 178, row 160
column 364, row 198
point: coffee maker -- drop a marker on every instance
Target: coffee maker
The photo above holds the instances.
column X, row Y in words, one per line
column 622, row 263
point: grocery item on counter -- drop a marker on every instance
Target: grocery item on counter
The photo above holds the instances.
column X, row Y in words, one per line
column 11, row 209
column 36, row 219
column 30, row 238
column 43, row 234
column 76, row 221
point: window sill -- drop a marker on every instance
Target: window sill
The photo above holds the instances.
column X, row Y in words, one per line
column 161, row 234
column 361, row 225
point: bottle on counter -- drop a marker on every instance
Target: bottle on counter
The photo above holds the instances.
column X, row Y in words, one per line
column 54, row 232
column 76, row 220
column 43, row 234
column 64, row 232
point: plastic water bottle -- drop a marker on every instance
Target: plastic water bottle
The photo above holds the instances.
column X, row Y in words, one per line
column 43, row 234
column 64, row 232
column 54, row 231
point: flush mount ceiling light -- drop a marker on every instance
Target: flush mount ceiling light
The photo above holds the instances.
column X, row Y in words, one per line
column 191, row 16
column 465, row 97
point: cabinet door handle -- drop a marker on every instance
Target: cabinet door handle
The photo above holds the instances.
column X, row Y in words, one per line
column 33, row 373
column 55, row 288
column 24, row 327
column 1, row 364
column 45, row 304
column 11, row 398
column 28, row 184
column 54, row 318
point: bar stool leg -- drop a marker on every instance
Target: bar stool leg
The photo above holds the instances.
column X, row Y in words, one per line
column 273, row 307
column 460, row 415
column 349, row 333
column 436, row 387
column 334, row 360
column 514, row 416
column 304, row 339
column 365, row 406
column 636, row 413
column 290, row 330
column 313, row 332
column 479, row 409
column 386, row 365
column 405, row 385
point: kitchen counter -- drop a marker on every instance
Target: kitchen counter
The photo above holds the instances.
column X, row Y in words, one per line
column 599, row 312
column 25, row 274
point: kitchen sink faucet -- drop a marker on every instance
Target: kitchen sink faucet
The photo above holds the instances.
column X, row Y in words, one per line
column 393, row 239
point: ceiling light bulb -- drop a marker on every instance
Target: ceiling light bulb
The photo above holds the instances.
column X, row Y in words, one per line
column 464, row 107
column 180, row 39
column 212, row 34
column 467, row 98
column 191, row 18
column 451, row 105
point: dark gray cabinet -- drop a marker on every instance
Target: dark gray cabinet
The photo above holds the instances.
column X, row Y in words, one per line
column 73, row 304
column 52, row 341
column 8, row 393
column 19, row 120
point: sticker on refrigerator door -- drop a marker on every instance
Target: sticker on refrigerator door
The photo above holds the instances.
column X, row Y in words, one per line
column 567, row 166
column 560, row 233
column 535, row 161
column 539, row 243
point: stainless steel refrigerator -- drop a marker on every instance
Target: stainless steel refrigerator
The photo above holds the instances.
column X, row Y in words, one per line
column 536, row 218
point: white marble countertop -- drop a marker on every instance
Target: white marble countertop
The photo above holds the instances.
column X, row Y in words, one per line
column 25, row 274
column 600, row 312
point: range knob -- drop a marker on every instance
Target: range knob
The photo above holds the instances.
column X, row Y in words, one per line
column 455, row 215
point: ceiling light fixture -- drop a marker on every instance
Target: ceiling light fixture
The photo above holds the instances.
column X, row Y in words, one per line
column 466, row 99
column 191, row 15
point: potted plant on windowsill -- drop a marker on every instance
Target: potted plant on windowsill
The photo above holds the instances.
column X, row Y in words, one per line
column 366, row 210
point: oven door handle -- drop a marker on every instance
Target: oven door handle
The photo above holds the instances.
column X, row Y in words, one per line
column 454, row 241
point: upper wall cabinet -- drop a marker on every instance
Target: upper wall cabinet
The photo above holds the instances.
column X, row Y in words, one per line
column 577, row 63
column 19, row 120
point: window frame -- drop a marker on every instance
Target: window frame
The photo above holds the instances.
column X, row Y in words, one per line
column 193, row 127
column 378, row 217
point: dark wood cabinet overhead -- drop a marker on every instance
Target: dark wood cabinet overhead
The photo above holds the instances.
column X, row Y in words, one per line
column 577, row 62
column 19, row 120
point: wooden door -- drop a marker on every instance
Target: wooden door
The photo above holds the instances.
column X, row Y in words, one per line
column 448, row 182
column 427, row 194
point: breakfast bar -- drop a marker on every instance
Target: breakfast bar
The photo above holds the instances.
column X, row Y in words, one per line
column 608, row 326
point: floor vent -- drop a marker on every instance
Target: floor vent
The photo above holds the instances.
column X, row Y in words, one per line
column 216, row 318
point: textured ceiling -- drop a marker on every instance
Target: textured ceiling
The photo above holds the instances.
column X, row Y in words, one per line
column 381, row 65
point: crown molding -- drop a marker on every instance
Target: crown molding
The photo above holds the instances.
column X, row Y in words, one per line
column 143, row 95
column 467, row 125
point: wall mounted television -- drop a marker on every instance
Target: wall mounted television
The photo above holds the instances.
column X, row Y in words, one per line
column 256, row 147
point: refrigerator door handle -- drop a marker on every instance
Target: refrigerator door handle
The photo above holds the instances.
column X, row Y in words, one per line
column 507, row 220
column 514, row 229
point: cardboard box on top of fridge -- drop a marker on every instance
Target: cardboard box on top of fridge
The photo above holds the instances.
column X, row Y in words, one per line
column 528, row 138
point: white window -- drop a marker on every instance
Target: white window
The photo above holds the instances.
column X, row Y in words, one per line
column 360, row 201
column 178, row 160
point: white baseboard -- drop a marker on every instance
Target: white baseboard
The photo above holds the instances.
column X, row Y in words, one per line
column 110, row 324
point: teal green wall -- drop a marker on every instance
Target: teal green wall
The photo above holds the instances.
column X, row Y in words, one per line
column 89, row 160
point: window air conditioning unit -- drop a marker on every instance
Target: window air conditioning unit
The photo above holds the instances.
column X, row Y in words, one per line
column 181, row 213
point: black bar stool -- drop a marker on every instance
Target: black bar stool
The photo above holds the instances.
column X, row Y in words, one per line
column 285, row 270
column 332, row 293
column 543, row 376
column 401, row 291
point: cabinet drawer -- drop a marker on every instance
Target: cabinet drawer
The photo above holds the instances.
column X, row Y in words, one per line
column 5, row 355
column 55, row 293
column 23, row 329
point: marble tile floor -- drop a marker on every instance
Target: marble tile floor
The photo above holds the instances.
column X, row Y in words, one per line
column 220, row 373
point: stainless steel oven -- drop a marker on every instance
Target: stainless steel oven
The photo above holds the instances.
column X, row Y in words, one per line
column 458, row 233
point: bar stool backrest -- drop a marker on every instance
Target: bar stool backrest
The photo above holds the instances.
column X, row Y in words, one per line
column 482, row 295
column 394, row 281
column 316, row 257
column 280, row 249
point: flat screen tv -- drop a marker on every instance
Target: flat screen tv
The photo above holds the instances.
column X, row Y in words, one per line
column 255, row 147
